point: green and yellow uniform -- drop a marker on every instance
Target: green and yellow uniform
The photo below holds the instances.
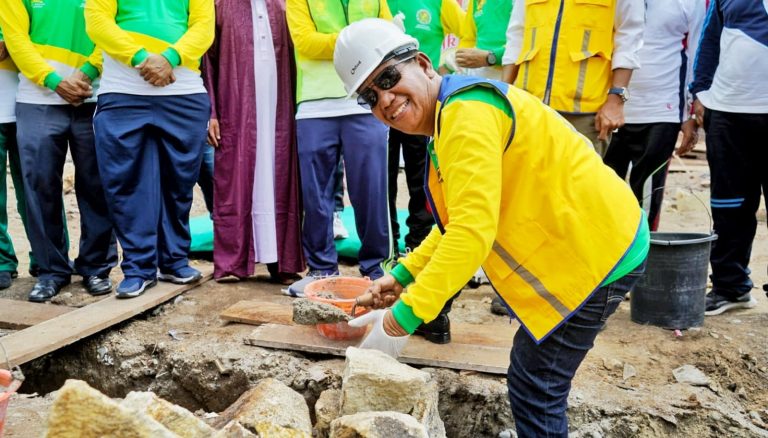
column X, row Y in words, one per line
column 518, row 196
column 429, row 21
column 129, row 30
column 47, row 41
column 314, row 26
column 485, row 26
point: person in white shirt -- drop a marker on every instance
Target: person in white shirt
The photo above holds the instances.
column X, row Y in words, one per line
column 731, row 102
column 659, row 106
column 577, row 56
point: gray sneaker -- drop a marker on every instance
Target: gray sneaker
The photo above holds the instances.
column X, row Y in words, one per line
column 717, row 304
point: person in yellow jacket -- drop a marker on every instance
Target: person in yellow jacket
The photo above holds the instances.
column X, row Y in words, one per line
column 577, row 56
column 514, row 188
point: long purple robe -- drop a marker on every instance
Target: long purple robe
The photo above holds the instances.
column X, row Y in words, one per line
column 229, row 77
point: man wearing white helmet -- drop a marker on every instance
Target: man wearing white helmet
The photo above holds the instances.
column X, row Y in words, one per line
column 511, row 186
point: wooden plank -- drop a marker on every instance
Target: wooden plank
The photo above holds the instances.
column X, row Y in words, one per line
column 488, row 358
column 66, row 329
column 17, row 315
column 257, row 312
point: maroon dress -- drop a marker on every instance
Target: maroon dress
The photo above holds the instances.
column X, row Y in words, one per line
column 228, row 72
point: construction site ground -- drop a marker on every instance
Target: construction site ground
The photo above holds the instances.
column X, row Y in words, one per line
column 184, row 353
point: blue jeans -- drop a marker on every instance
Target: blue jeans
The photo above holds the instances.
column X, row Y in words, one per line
column 539, row 376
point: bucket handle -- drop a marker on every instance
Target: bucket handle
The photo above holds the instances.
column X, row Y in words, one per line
column 15, row 370
column 690, row 190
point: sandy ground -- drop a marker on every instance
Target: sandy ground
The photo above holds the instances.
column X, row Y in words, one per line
column 624, row 388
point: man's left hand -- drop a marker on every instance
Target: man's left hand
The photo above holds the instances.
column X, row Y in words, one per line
column 3, row 51
column 157, row 71
column 80, row 76
column 610, row 117
column 472, row 58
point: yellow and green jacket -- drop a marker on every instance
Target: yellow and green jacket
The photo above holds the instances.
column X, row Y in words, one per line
column 314, row 26
column 566, row 53
column 485, row 26
column 48, row 42
column 9, row 83
column 514, row 188
column 429, row 21
column 180, row 30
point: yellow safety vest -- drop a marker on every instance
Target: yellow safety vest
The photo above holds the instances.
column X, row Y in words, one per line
column 566, row 53
column 566, row 219
column 317, row 78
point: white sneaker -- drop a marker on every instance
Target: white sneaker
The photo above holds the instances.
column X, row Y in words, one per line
column 339, row 230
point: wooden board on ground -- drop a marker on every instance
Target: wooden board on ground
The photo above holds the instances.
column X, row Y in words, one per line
column 66, row 329
column 259, row 312
column 17, row 315
column 474, row 347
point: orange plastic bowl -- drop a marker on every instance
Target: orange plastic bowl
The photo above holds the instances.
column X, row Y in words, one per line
column 346, row 289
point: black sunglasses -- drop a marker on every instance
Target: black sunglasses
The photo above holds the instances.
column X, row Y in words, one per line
column 388, row 78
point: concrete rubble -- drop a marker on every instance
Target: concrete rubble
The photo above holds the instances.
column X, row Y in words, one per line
column 270, row 409
column 377, row 425
column 327, row 409
column 374, row 381
column 80, row 411
column 175, row 418
column 379, row 397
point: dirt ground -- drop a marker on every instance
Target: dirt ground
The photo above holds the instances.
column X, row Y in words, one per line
column 625, row 387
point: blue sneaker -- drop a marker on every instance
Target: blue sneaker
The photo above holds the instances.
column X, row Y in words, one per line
column 184, row 275
column 132, row 287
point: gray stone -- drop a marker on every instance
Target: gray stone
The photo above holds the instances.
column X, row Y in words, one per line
column 381, row 424
column 175, row 418
column 270, row 409
column 307, row 312
column 374, row 381
column 691, row 375
column 80, row 411
column 233, row 429
column 327, row 409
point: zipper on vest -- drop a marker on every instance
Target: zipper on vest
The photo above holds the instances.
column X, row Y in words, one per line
column 553, row 54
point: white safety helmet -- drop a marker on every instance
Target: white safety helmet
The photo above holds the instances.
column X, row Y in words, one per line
column 364, row 45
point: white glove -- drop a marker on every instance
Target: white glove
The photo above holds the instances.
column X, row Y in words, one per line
column 378, row 339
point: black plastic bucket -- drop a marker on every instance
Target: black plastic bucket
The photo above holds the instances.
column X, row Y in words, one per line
column 672, row 292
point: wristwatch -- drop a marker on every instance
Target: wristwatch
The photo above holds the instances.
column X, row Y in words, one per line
column 622, row 92
column 491, row 58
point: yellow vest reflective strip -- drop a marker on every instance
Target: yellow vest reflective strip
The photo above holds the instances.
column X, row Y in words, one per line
column 567, row 50
column 566, row 220
column 316, row 78
column 531, row 279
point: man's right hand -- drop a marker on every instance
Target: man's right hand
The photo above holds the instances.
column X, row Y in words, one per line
column 385, row 291
column 3, row 51
column 157, row 71
column 74, row 90
column 214, row 135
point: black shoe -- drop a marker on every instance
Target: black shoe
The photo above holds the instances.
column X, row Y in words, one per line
column 498, row 307
column 6, row 278
column 34, row 271
column 96, row 285
column 437, row 331
column 44, row 290
column 717, row 303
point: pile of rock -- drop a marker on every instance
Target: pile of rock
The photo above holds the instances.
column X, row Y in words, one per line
column 379, row 398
